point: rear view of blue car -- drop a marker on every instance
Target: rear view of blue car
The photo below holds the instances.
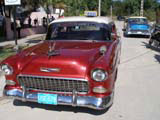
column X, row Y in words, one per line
column 137, row 26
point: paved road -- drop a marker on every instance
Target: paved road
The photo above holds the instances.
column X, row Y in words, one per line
column 137, row 91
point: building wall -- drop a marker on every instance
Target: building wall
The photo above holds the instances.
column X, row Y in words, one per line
column 24, row 31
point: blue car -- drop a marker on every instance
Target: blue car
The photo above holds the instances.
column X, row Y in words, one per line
column 137, row 26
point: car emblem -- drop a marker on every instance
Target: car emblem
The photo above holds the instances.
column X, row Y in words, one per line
column 50, row 69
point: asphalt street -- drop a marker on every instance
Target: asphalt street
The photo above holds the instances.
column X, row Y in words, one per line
column 137, row 93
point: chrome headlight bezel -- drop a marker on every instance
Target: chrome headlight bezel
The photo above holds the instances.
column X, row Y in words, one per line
column 8, row 70
column 129, row 29
column 99, row 75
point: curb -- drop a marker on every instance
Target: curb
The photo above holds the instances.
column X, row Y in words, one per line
column 24, row 40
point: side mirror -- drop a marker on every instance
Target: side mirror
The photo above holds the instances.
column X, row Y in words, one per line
column 118, row 35
column 113, row 36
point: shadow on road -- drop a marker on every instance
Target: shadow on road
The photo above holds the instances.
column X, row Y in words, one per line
column 157, row 49
column 137, row 36
column 157, row 57
column 60, row 108
column 33, row 41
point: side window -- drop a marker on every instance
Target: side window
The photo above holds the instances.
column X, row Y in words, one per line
column 114, row 32
column 107, row 32
column 106, row 35
column 114, row 29
column 48, row 36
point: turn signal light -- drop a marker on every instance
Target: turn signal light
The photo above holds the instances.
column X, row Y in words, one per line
column 10, row 82
column 100, row 90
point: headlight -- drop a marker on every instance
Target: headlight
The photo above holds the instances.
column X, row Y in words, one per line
column 7, row 69
column 99, row 75
column 129, row 29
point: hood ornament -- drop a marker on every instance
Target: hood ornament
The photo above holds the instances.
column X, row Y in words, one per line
column 52, row 51
column 42, row 69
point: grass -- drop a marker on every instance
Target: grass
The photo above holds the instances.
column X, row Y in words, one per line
column 8, row 50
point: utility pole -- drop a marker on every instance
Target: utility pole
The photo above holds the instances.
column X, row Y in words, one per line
column 142, row 8
column 111, row 11
column 158, row 13
column 99, row 8
column 14, row 3
column 15, row 31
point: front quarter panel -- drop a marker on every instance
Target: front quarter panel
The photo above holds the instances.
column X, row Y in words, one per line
column 108, row 62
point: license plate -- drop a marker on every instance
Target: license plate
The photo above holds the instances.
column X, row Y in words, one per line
column 139, row 32
column 47, row 99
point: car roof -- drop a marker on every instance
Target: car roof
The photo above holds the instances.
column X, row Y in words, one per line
column 104, row 20
column 138, row 17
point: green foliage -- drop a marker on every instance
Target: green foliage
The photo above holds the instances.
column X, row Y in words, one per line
column 150, row 14
column 6, row 52
column 132, row 8
column 77, row 7
column 106, row 4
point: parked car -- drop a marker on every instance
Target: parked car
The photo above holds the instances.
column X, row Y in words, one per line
column 155, row 35
column 120, row 18
column 136, row 26
column 76, row 65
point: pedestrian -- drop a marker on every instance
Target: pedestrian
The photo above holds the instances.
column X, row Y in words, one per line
column 21, row 22
column 44, row 21
column 29, row 21
column 36, row 22
column 12, row 25
column 51, row 19
column 18, row 28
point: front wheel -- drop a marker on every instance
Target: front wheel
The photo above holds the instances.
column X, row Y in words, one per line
column 125, row 34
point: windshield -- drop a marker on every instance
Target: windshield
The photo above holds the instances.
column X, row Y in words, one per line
column 78, row 31
column 138, row 20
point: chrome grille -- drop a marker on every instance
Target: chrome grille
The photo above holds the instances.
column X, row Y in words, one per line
column 52, row 84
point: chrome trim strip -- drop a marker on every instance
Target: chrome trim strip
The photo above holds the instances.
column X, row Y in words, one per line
column 21, row 75
column 10, row 82
column 83, row 93
column 74, row 98
column 42, row 69
column 83, row 101
column 23, row 93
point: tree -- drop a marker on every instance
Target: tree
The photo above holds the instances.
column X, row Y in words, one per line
column 106, row 4
column 77, row 7
column 132, row 7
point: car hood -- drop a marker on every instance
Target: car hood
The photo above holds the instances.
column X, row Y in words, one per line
column 134, row 26
column 69, row 59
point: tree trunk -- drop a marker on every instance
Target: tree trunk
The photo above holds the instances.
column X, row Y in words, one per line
column 158, row 15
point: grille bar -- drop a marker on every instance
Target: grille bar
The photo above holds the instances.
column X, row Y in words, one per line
column 53, row 84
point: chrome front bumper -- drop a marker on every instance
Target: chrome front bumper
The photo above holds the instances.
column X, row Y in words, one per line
column 83, row 101
column 139, row 33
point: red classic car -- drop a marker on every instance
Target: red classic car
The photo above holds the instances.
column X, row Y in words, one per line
column 76, row 65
